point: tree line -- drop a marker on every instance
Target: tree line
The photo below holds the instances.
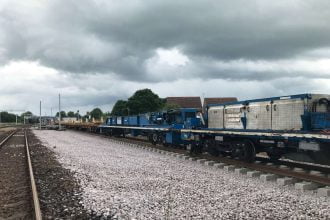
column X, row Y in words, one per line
column 96, row 113
column 6, row 117
column 142, row 101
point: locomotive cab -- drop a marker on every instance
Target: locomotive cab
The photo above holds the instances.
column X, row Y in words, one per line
column 320, row 114
column 183, row 118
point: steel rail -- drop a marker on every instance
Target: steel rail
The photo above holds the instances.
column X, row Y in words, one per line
column 7, row 138
column 36, row 203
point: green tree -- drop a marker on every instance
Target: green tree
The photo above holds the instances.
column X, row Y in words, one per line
column 6, row 117
column 28, row 113
column 71, row 114
column 77, row 115
column 96, row 113
column 120, row 108
column 105, row 114
column 63, row 114
column 29, row 118
column 143, row 101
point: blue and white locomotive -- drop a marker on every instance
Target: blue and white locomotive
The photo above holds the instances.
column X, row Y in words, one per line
column 294, row 126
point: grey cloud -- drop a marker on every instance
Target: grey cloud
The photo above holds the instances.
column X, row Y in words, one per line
column 220, row 30
column 239, row 70
column 120, row 36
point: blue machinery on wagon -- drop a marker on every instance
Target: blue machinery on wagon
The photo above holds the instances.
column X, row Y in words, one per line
column 295, row 126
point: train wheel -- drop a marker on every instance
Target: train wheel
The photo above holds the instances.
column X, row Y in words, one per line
column 248, row 152
column 214, row 152
column 210, row 147
column 154, row 138
column 196, row 148
column 192, row 148
column 235, row 151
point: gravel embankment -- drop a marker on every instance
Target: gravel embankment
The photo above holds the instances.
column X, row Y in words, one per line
column 59, row 192
column 134, row 183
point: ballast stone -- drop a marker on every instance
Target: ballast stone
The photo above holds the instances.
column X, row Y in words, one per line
column 219, row 165
column 179, row 156
column 325, row 191
column 185, row 157
column 268, row 177
column 286, row 181
column 201, row 161
column 209, row 163
column 172, row 183
column 253, row 174
column 303, row 186
column 229, row 168
column 241, row 171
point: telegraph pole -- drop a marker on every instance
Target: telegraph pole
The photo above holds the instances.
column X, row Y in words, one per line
column 59, row 111
column 40, row 116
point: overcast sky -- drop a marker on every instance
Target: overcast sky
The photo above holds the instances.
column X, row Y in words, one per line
column 94, row 52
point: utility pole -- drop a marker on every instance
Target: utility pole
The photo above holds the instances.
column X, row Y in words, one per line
column 40, row 116
column 59, row 112
column 16, row 119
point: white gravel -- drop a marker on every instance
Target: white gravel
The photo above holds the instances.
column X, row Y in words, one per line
column 139, row 184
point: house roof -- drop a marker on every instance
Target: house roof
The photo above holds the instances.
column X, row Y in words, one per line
column 185, row 102
column 218, row 100
column 195, row 101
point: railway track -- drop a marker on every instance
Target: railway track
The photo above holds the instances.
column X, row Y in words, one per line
column 282, row 168
column 19, row 198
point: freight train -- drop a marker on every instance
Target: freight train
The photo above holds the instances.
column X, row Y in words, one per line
column 295, row 127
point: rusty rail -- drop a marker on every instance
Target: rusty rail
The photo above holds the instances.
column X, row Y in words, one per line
column 36, row 203
column 7, row 138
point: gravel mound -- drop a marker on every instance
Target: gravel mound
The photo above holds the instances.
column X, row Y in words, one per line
column 129, row 182
column 59, row 192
